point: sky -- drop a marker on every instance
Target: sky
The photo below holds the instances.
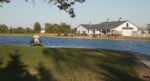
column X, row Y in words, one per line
column 25, row 14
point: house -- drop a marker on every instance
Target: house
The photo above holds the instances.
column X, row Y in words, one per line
column 120, row 27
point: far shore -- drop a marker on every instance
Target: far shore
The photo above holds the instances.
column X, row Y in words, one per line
column 85, row 37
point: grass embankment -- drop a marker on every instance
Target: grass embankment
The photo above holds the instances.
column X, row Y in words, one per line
column 64, row 64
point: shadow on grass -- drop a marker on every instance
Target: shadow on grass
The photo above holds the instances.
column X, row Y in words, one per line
column 15, row 70
column 44, row 73
column 109, row 64
column 117, row 74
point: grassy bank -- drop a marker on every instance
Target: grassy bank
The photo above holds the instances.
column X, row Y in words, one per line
column 63, row 64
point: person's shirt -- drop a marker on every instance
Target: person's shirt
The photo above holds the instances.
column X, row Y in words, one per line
column 36, row 38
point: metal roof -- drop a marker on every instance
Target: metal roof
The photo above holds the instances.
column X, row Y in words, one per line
column 103, row 25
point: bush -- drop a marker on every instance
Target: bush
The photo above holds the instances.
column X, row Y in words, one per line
column 65, row 34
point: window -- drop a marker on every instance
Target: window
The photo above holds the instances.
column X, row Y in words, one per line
column 78, row 32
column 127, row 25
column 93, row 31
column 84, row 32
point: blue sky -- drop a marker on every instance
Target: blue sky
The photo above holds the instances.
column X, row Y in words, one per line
column 19, row 13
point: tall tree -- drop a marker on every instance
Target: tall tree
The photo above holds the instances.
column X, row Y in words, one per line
column 64, row 28
column 3, row 28
column 11, row 30
column 73, row 31
column 48, row 27
column 28, row 30
column 55, row 28
column 20, row 30
column 37, row 27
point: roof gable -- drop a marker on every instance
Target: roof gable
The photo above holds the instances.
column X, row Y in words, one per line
column 110, row 25
column 103, row 25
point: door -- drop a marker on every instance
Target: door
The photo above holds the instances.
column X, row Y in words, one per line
column 127, row 32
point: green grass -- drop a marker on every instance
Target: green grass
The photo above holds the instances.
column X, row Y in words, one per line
column 64, row 64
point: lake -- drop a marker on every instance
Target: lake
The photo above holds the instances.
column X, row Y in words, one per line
column 125, row 45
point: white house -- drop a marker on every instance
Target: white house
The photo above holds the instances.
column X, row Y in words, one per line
column 121, row 27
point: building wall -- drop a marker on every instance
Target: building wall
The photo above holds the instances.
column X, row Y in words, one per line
column 97, row 32
column 81, row 29
column 126, row 32
column 119, row 28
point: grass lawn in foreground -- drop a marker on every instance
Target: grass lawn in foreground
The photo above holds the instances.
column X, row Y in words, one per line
column 24, row 63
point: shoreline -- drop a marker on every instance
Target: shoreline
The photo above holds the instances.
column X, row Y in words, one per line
column 144, row 58
column 86, row 37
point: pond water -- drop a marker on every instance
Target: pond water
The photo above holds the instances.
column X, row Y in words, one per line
column 126, row 45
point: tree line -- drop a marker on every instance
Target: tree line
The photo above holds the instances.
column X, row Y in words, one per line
column 59, row 29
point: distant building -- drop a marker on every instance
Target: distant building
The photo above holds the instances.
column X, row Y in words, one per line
column 121, row 27
column 142, row 30
column 148, row 25
column 42, row 31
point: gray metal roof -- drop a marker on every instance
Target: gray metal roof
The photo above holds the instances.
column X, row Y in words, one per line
column 127, row 28
column 103, row 25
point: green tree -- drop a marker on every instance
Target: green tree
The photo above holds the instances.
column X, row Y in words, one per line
column 11, row 30
column 65, row 5
column 55, row 28
column 64, row 28
column 58, row 28
column 73, row 31
column 19, row 30
column 37, row 27
column 28, row 30
column 48, row 27
column 3, row 28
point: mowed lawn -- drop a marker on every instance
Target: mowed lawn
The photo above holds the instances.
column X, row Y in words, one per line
column 25, row 63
